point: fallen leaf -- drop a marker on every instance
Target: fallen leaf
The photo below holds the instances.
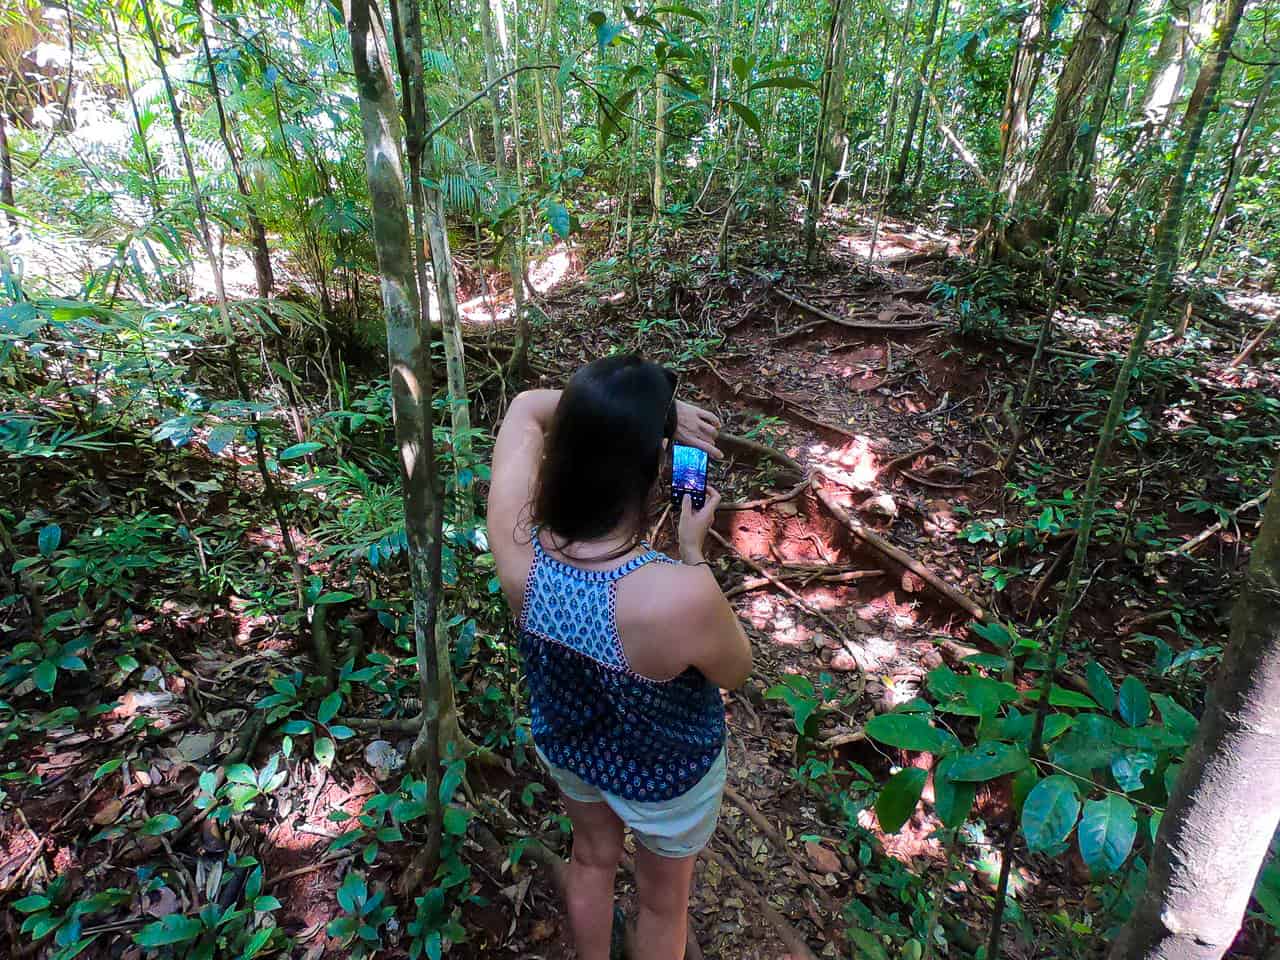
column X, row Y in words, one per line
column 911, row 583
column 822, row 859
column 109, row 813
column 542, row 930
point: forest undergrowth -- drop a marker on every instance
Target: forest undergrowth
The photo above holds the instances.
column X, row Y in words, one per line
column 183, row 763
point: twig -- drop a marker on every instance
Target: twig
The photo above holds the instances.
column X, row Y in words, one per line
column 840, row 739
column 799, row 600
column 788, row 406
column 1209, row 531
column 961, row 600
column 1252, row 345
column 320, row 864
column 932, row 484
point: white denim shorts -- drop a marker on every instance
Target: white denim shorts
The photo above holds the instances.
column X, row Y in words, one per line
column 679, row 827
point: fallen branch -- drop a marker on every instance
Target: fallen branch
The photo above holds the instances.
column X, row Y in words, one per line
column 766, row 502
column 788, row 406
column 932, row 484
column 731, row 441
column 854, row 324
column 755, row 583
column 840, row 739
column 1251, row 346
column 795, row 597
column 1209, row 531
column 859, row 530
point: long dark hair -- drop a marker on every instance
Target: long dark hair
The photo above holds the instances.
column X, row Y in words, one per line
column 604, row 449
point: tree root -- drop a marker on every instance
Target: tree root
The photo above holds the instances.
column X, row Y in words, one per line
column 950, row 593
column 760, row 451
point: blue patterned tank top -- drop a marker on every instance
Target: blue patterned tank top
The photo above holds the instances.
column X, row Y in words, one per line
column 644, row 740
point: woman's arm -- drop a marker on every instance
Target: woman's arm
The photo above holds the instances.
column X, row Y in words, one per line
column 517, row 454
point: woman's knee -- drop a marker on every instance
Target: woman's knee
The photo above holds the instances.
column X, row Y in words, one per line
column 662, row 883
column 599, row 851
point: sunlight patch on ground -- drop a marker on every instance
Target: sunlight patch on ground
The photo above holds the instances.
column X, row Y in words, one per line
column 854, row 465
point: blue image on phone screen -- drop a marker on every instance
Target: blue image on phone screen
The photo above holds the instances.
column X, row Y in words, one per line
column 688, row 475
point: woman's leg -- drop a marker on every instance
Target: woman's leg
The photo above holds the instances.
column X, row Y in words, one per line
column 597, row 848
column 662, row 884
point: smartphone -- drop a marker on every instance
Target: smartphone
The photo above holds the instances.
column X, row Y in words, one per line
column 688, row 475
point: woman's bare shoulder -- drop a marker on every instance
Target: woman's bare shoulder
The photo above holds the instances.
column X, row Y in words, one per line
column 661, row 611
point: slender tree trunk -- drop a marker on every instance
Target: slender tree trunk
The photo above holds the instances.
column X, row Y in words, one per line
column 408, row 358
column 156, row 204
column 813, row 211
column 257, row 232
column 1024, row 73
column 900, row 172
column 837, row 137
column 6, row 170
column 1166, row 256
column 659, row 142
column 510, row 51
column 224, row 314
column 890, row 127
column 1167, row 68
column 518, row 370
column 1225, row 197
column 1225, row 807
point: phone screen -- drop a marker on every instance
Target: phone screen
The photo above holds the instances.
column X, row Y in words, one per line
column 688, row 475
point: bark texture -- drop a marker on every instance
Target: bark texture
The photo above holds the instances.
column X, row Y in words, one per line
column 1225, row 806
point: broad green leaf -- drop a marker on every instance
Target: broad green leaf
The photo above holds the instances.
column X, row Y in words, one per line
column 785, row 83
column 111, row 766
column 557, row 217
column 1050, row 812
column 952, row 800
column 1134, row 704
column 297, row 728
column 159, row 824
column 1129, row 766
column 31, row 904
column 46, row 675
column 329, row 707
column 221, row 437
column 353, row 892
column 906, row 731
column 986, row 761
column 1179, row 721
column 242, row 773
column 1088, row 745
column 265, row 903
column 681, row 10
column 335, row 596
column 324, row 751
column 741, row 69
column 174, row 928
column 1100, row 686
column 299, row 450
column 1107, row 831
column 455, row 821
column 747, row 115
column 48, row 540
column 898, row 798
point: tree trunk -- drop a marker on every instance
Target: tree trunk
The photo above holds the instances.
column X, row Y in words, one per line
column 900, row 172
column 6, row 170
column 408, row 360
column 510, row 51
column 519, row 357
column 659, row 142
column 1028, row 59
column 1167, row 68
column 837, row 137
column 813, row 210
column 1166, row 255
column 1043, row 197
column 224, row 314
column 257, row 232
column 1222, row 208
column 1225, row 807
column 156, row 204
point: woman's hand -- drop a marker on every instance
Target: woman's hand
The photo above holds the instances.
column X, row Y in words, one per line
column 695, row 523
column 696, row 427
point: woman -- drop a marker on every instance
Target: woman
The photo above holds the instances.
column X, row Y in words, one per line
column 624, row 648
